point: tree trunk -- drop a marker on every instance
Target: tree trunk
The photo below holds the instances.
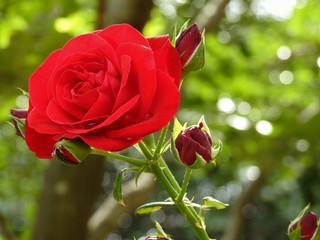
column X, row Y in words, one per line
column 67, row 199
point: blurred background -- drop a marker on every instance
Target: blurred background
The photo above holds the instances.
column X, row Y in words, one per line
column 259, row 91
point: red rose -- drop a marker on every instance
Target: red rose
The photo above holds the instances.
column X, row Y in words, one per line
column 110, row 88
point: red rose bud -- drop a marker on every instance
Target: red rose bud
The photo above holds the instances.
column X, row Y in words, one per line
column 307, row 224
column 18, row 119
column 190, row 46
column 71, row 151
column 193, row 142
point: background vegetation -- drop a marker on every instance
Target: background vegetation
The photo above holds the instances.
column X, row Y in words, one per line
column 259, row 91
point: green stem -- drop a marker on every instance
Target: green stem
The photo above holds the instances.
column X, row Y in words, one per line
column 160, row 142
column 135, row 161
column 168, row 173
column 184, row 184
column 145, row 150
column 188, row 211
column 175, row 184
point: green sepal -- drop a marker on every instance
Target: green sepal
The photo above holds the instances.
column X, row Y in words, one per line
column 183, row 27
column 197, row 59
column 198, row 163
column 209, row 202
column 153, row 207
column 177, row 129
column 216, row 149
column 296, row 234
column 316, row 235
column 205, row 125
column 174, row 36
column 21, row 125
column 293, row 235
column 24, row 93
column 160, row 232
column 71, row 151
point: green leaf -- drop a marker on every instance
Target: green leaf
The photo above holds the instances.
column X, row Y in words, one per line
column 152, row 207
column 117, row 190
column 209, row 202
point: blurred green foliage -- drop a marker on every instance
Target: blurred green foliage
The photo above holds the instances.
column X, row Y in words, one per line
column 259, row 91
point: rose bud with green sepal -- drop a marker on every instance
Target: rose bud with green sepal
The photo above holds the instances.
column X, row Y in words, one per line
column 71, row 151
column 18, row 118
column 190, row 46
column 305, row 226
column 193, row 145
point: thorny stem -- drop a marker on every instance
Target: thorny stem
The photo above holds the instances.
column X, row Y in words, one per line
column 188, row 211
column 135, row 161
column 184, row 184
column 160, row 142
column 163, row 174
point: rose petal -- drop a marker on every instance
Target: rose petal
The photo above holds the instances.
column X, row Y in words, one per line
column 141, row 78
column 42, row 124
column 166, row 57
column 60, row 116
column 83, row 43
column 122, row 33
column 109, row 144
column 41, row 144
column 38, row 82
column 122, row 111
column 162, row 111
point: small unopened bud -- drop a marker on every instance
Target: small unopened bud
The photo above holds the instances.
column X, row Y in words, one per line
column 71, row 151
column 18, row 119
column 306, row 227
column 194, row 141
column 190, row 46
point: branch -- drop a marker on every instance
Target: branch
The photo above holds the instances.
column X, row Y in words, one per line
column 6, row 234
column 211, row 14
column 103, row 220
column 233, row 227
column 135, row 12
column 101, row 14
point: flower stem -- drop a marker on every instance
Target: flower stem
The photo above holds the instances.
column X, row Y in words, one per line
column 188, row 211
column 145, row 150
column 168, row 173
column 135, row 161
column 160, row 142
column 184, row 184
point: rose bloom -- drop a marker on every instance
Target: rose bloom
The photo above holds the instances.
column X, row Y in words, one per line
column 110, row 88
